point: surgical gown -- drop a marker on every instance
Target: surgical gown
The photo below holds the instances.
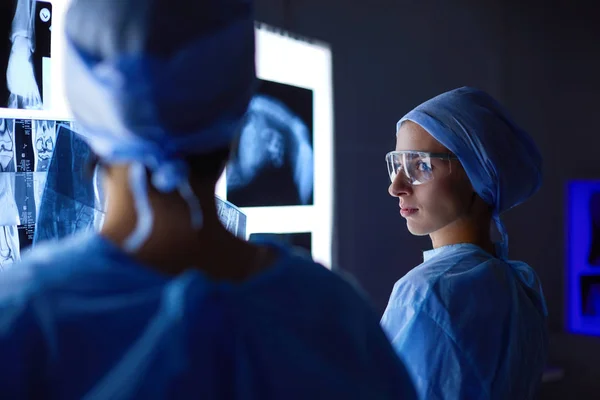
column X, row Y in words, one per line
column 80, row 319
column 469, row 325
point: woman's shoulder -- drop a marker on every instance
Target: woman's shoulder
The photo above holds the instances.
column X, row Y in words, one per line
column 57, row 255
column 301, row 271
column 451, row 272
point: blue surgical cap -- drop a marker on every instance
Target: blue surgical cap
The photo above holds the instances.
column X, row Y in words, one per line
column 501, row 160
column 152, row 82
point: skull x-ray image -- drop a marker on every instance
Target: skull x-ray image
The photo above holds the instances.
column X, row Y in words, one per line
column 25, row 36
column 273, row 163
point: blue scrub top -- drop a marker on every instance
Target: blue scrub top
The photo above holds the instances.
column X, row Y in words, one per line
column 469, row 325
column 80, row 319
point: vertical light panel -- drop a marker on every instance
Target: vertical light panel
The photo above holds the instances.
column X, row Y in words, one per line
column 304, row 64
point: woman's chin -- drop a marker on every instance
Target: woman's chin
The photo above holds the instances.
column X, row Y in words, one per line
column 417, row 229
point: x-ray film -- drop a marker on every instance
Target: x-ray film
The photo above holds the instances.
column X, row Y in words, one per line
column 274, row 164
column 26, row 147
column 72, row 200
column 231, row 217
column 25, row 43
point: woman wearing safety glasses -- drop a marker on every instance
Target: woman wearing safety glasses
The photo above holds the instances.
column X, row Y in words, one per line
column 468, row 322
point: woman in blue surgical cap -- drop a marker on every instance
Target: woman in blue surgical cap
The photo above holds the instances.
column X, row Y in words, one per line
column 468, row 322
column 164, row 302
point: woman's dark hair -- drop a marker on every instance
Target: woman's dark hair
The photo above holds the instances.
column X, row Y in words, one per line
column 209, row 167
column 206, row 168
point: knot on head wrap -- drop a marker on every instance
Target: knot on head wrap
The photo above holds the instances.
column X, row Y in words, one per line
column 501, row 160
column 152, row 109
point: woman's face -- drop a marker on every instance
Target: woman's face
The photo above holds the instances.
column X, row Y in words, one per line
column 435, row 204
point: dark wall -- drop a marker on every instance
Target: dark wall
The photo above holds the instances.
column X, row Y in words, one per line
column 543, row 63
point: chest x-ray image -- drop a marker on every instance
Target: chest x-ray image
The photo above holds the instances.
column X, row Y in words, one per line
column 25, row 36
column 273, row 162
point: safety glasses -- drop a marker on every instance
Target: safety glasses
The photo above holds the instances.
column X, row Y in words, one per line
column 417, row 165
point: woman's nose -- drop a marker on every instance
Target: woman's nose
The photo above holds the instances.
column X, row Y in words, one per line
column 400, row 185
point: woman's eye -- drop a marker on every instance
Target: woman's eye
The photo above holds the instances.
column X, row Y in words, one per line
column 423, row 167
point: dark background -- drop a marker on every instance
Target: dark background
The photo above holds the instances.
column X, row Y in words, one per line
column 540, row 58
column 302, row 239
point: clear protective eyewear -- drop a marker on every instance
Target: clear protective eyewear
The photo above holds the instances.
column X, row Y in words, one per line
column 416, row 165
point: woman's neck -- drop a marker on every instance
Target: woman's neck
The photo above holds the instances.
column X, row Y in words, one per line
column 174, row 245
column 471, row 231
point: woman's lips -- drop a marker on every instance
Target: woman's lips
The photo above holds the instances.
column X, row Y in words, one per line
column 407, row 212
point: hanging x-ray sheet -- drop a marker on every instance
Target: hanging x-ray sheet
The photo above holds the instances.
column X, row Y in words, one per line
column 231, row 217
column 72, row 200
column 281, row 172
column 25, row 44
column 26, row 148
column 274, row 164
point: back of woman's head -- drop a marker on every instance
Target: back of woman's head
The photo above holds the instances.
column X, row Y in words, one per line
column 174, row 66
column 156, row 83
column 109, row 28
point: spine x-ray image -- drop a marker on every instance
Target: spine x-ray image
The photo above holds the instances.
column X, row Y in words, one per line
column 273, row 162
column 25, row 36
